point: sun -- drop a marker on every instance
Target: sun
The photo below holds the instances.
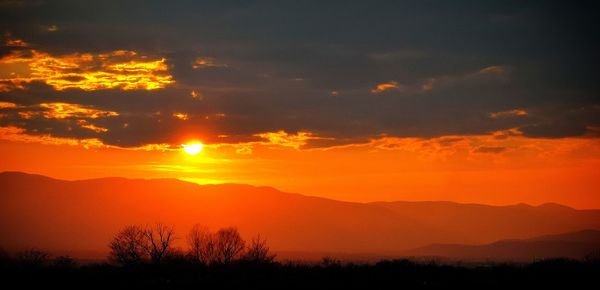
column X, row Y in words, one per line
column 192, row 148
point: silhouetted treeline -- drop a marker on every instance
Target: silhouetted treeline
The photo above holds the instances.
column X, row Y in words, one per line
column 144, row 258
column 135, row 245
column 242, row 274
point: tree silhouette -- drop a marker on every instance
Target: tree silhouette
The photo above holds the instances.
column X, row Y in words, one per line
column 135, row 245
column 593, row 256
column 64, row 262
column 158, row 241
column 202, row 247
column 229, row 245
column 129, row 247
column 33, row 258
column 4, row 257
column 258, row 251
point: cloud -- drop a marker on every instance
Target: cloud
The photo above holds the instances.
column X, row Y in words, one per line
column 494, row 69
column 66, row 110
column 56, row 110
column 205, row 62
column 117, row 69
column 282, row 138
column 16, row 134
column 392, row 85
column 509, row 113
column 86, row 125
column 496, row 147
column 428, row 84
column 16, row 43
column 181, row 116
column 244, row 150
column 196, row 95
column 7, row 105
column 451, row 80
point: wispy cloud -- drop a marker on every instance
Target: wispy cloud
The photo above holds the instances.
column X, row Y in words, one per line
column 119, row 69
column 494, row 69
column 509, row 113
column 181, row 116
column 67, row 110
column 388, row 86
column 285, row 139
column 204, row 62
column 16, row 134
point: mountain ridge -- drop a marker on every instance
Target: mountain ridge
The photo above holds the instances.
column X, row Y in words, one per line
column 576, row 245
column 109, row 178
column 84, row 214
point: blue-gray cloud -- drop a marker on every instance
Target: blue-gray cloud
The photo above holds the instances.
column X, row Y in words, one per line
column 276, row 64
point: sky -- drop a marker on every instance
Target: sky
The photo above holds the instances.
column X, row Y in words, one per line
column 491, row 102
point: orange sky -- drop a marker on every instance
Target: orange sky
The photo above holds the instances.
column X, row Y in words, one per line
column 499, row 168
column 506, row 165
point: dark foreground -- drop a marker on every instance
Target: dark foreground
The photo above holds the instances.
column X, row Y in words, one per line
column 566, row 274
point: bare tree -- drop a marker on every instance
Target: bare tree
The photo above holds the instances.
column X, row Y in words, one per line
column 229, row 245
column 158, row 241
column 202, row 245
column 129, row 246
column 33, row 258
column 258, row 251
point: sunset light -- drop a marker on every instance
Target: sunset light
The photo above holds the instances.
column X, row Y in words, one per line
column 262, row 144
column 192, row 148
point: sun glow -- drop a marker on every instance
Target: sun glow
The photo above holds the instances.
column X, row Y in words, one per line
column 192, row 148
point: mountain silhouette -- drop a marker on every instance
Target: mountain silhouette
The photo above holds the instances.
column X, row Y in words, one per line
column 82, row 216
column 574, row 245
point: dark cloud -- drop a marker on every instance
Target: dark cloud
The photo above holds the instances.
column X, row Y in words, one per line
column 455, row 63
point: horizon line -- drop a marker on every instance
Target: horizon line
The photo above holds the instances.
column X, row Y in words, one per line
column 548, row 203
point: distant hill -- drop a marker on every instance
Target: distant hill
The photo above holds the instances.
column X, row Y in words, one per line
column 83, row 215
column 479, row 223
column 574, row 245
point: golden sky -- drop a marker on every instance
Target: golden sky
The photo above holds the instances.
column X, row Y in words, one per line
column 382, row 105
column 500, row 168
